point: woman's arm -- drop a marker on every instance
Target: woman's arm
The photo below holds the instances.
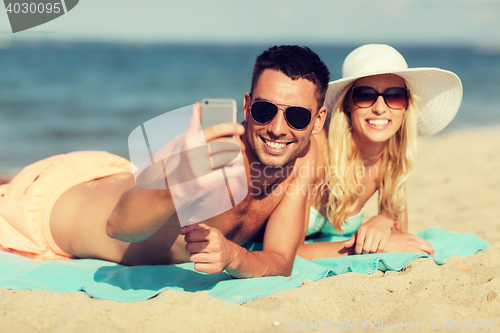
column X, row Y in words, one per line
column 401, row 227
column 396, row 242
column 381, row 233
column 372, row 236
column 323, row 250
column 401, row 241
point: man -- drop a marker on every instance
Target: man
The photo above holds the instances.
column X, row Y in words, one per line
column 112, row 218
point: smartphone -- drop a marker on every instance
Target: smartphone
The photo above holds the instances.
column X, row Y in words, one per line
column 218, row 111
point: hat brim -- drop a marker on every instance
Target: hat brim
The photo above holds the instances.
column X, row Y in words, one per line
column 440, row 93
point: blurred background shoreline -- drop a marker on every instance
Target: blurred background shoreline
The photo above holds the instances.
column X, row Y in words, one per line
column 57, row 97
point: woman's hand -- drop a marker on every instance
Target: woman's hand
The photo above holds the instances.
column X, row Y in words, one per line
column 408, row 243
column 372, row 236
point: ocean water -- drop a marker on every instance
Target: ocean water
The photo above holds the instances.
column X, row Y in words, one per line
column 57, row 98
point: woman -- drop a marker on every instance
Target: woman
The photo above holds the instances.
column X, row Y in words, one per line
column 369, row 144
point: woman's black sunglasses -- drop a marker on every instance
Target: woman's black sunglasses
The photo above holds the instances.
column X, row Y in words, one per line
column 297, row 117
column 395, row 98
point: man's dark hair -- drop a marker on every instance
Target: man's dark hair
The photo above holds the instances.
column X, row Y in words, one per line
column 295, row 62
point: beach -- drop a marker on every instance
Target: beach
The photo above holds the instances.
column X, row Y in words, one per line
column 456, row 187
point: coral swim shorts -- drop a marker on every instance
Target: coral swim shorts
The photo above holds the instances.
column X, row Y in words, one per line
column 27, row 201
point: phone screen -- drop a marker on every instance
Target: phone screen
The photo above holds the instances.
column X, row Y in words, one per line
column 218, row 111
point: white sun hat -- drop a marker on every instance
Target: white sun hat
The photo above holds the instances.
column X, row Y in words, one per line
column 440, row 91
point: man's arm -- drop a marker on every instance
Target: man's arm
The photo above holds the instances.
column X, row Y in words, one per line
column 140, row 212
column 213, row 253
column 282, row 237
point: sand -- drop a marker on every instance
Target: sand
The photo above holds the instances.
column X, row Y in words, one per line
column 456, row 187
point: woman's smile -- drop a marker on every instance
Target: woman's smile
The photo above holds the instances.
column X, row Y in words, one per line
column 378, row 123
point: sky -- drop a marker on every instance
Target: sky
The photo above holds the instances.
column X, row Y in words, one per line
column 453, row 22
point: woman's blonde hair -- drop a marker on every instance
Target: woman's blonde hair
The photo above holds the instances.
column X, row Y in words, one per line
column 344, row 170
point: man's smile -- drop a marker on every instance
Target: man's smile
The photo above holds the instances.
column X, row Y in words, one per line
column 274, row 146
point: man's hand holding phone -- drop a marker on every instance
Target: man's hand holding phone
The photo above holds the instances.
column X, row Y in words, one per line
column 208, row 162
column 218, row 120
column 203, row 164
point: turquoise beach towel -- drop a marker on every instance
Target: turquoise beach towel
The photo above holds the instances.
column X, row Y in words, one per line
column 107, row 280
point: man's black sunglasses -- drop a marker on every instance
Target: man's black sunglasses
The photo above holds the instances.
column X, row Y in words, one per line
column 297, row 117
